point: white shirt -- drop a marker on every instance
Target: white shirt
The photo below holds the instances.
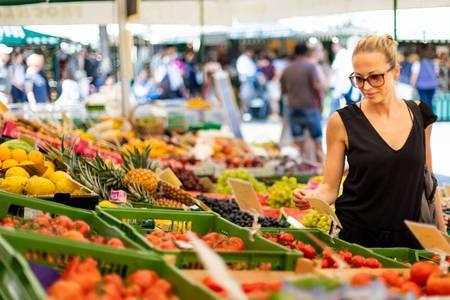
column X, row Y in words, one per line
column 342, row 67
column 246, row 67
column 70, row 94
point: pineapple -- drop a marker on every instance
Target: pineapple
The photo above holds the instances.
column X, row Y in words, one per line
column 165, row 202
column 146, row 178
column 169, row 191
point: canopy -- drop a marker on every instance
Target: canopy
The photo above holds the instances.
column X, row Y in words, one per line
column 216, row 12
column 19, row 36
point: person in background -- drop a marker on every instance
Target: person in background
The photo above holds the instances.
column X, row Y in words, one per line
column 425, row 76
column 316, row 55
column 279, row 63
column 144, row 88
column 246, row 69
column 444, row 72
column 404, row 88
column 70, row 90
column 17, row 70
column 5, row 78
column 190, row 73
column 211, row 67
column 36, row 85
column 387, row 150
column 300, row 81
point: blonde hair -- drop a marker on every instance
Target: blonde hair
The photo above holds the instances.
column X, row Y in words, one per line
column 379, row 43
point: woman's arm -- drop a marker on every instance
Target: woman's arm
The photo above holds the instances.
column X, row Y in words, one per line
column 437, row 197
column 333, row 167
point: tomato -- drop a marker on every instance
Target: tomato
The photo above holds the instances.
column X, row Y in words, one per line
column 213, row 285
column 74, row 235
column 373, row 263
column 286, row 237
column 44, row 230
column 214, row 237
column 438, row 284
column 65, row 290
column 115, row 242
column 132, row 290
column 309, row 251
column 412, row 287
column 63, row 221
column 42, row 220
column 231, row 244
column 88, row 280
column 158, row 233
column 326, row 252
column 392, row 278
column 81, row 226
column 168, row 245
column 361, row 279
column 114, row 279
column 98, row 239
column 346, row 255
column 421, row 271
column 163, row 285
column 143, row 278
column 327, row 262
column 358, row 261
column 154, row 294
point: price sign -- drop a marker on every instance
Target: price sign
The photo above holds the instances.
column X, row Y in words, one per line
column 324, row 208
column 430, row 237
column 245, row 195
column 169, row 176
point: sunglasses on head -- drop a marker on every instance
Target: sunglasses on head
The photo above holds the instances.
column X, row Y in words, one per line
column 375, row 80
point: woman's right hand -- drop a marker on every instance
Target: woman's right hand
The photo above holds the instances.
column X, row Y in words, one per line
column 301, row 198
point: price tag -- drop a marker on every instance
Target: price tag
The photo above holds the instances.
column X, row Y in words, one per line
column 216, row 267
column 169, row 176
column 430, row 237
column 295, row 223
column 324, row 208
column 245, row 195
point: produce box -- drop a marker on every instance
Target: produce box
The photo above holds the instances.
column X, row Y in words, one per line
column 336, row 244
column 400, row 254
column 26, row 208
column 17, row 279
column 137, row 223
column 56, row 253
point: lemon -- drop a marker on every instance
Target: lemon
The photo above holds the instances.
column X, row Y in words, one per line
column 19, row 155
column 56, row 176
column 13, row 184
column 36, row 157
column 65, row 185
column 106, row 203
column 39, row 186
column 17, row 171
column 9, row 163
column 5, row 153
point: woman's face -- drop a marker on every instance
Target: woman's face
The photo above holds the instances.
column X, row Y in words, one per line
column 374, row 63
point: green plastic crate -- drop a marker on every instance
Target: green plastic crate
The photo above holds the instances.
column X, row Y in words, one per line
column 16, row 279
column 124, row 262
column 259, row 251
column 337, row 244
column 399, row 254
column 12, row 204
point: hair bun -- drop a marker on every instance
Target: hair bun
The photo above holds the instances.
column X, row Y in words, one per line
column 389, row 37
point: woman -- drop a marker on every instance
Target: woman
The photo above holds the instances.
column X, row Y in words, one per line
column 70, row 90
column 385, row 150
column 144, row 89
column 17, row 70
column 36, row 85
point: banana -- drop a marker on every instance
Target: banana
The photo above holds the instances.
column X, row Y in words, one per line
column 18, row 144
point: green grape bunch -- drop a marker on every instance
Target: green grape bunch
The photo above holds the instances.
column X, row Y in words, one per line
column 317, row 220
column 281, row 192
column 224, row 188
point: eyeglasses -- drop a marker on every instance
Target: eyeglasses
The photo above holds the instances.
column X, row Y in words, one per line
column 375, row 80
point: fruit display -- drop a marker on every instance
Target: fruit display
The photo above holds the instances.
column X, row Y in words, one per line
column 317, row 220
column 325, row 261
column 160, row 148
column 82, row 279
column 229, row 209
column 281, row 192
column 248, row 161
column 228, row 147
column 61, row 226
column 255, row 290
column 224, row 188
column 424, row 279
column 218, row 242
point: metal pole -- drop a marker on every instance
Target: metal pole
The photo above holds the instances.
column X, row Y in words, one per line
column 395, row 19
column 202, row 34
column 123, row 44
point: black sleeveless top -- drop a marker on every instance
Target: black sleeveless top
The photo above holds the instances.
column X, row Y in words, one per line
column 384, row 186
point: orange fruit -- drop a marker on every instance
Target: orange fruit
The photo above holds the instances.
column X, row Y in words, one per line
column 19, row 155
column 36, row 157
column 9, row 163
column 5, row 153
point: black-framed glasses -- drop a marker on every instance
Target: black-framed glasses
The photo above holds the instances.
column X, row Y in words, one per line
column 375, row 80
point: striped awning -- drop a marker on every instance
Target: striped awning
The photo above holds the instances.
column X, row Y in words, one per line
column 19, row 36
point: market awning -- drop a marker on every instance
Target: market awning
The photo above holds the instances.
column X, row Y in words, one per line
column 19, row 36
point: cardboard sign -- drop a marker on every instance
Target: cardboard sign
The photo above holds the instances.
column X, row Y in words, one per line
column 429, row 237
column 245, row 195
column 169, row 176
column 295, row 223
column 324, row 208
column 3, row 107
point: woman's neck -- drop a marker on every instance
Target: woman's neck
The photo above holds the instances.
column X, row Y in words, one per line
column 383, row 108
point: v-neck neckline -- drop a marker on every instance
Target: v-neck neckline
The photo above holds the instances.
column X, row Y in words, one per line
column 381, row 137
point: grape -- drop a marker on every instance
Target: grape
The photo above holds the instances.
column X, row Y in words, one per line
column 316, row 220
column 224, row 188
column 280, row 193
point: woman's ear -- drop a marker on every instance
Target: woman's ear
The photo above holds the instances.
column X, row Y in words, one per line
column 396, row 71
